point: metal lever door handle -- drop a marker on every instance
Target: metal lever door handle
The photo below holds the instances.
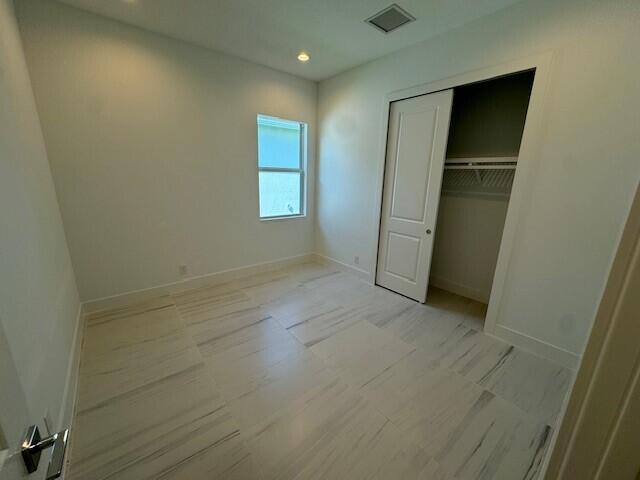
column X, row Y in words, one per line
column 33, row 445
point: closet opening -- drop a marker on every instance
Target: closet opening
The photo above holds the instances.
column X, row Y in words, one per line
column 485, row 131
column 451, row 158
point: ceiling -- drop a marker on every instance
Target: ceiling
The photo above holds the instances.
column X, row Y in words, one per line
column 272, row 32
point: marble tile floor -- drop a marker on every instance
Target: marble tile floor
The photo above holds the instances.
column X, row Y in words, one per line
column 308, row 373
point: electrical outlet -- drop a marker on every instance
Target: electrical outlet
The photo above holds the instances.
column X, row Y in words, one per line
column 184, row 270
column 356, row 260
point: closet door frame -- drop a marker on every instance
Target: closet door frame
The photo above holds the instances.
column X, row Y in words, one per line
column 520, row 193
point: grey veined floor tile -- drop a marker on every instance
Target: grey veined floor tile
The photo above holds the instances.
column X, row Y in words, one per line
column 470, row 431
column 361, row 352
column 176, row 423
column 147, row 407
column 333, row 433
column 535, row 385
column 308, row 373
column 299, row 306
column 123, row 352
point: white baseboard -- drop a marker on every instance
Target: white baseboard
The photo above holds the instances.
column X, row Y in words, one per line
column 214, row 278
column 65, row 416
column 358, row 272
column 458, row 289
column 538, row 347
column 556, row 431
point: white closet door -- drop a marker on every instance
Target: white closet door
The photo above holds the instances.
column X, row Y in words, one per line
column 416, row 147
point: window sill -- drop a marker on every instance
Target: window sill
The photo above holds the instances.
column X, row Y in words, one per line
column 285, row 217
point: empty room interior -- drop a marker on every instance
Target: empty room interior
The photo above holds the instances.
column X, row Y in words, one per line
column 302, row 239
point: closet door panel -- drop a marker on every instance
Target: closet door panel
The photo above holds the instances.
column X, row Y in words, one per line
column 411, row 178
column 416, row 146
column 403, row 253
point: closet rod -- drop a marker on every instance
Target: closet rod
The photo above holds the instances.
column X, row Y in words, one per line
column 451, row 191
column 479, row 167
column 468, row 160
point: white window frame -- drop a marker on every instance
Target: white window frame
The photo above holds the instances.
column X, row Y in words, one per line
column 302, row 170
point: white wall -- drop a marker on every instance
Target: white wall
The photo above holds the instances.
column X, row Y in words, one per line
column 588, row 158
column 152, row 144
column 38, row 297
column 466, row 244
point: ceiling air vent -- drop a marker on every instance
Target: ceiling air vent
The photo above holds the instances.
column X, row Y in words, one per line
column 390, row 18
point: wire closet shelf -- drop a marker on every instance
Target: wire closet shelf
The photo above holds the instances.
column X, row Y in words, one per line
column 479, row 175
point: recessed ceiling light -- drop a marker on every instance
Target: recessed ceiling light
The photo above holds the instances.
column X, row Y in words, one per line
column 303, row 57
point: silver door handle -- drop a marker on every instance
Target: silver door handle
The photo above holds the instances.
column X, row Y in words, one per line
column 33, row 445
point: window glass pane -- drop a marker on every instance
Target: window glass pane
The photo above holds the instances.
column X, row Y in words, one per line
column 278, row 143
column 279, row 194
